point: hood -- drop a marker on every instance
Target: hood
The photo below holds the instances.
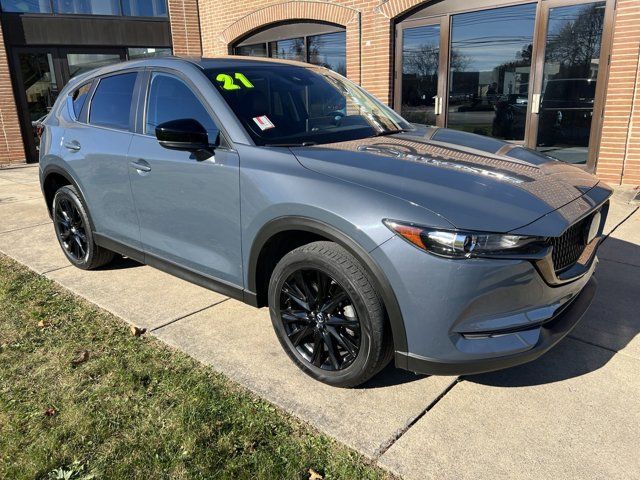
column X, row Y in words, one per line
column 475, row 182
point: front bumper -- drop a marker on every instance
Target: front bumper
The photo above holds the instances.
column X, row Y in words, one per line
column 546, row 336
column 477, row 315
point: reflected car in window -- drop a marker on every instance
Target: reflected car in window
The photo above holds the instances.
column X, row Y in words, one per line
column 285, row 185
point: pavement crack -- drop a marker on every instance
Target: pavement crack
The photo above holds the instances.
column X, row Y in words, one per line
column 382, row 449
column 55, row 269
column 174, row 320
column 620, row 223
column 25, row 228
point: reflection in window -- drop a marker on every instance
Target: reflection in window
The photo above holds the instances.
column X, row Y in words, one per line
column 420, row 62
column 490, row 66
column 571, row 63
column 83, row 62
column 329, row 50
column 292, row 49
column 78, row 97
column 134, row 53
column 144, row 8
column 88, row 7
column 258, row 50
column 26, row 6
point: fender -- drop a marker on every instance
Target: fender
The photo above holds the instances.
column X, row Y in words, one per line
column 53, row 168
column 381, row 284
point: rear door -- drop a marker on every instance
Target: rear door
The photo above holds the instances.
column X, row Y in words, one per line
column 95, row 147
column 189, row 209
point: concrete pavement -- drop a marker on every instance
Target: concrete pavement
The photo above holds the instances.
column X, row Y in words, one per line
column 573, row 413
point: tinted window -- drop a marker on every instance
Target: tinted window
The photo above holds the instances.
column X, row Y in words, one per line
column 144, row 8
column 79, row 96
column 89, row 7
column 26, row 6
column 111, row 102
column 329, row 50
column 171, row 99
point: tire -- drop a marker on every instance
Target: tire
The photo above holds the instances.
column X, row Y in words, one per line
column 338, row 294
column 73, row 230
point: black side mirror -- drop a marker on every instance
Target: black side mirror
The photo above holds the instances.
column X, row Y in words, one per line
column 183, row 134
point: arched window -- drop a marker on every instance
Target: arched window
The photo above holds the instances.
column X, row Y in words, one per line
column 317, row 43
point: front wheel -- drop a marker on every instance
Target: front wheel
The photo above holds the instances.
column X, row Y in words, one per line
column 327, row 315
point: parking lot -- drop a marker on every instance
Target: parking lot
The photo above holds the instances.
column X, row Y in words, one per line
column 573, row 413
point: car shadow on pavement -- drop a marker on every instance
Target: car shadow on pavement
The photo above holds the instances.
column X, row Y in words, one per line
column 121, row 263
column 610, row 324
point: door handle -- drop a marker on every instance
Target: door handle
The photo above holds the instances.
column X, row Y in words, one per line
column 73, row 145
column 437, row 107
column 141, row 165
column 535, row 103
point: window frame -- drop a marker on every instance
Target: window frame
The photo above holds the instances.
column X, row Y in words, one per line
column 132, row 107
column 52, row 11
column 81, row 118
column 143, row 97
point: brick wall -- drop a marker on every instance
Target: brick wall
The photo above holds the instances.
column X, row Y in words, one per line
column 11, row 147
column 619, row 158
column 185, row 28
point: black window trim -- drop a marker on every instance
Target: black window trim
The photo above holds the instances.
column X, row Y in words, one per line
column 52, row 12
column 132, row 107
column 145, row 90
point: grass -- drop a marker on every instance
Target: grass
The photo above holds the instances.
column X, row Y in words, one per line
column 135, row 408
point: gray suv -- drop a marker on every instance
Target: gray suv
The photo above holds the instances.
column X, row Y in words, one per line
column 285, row 185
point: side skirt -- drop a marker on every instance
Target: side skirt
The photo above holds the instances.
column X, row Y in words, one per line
column 210, row 283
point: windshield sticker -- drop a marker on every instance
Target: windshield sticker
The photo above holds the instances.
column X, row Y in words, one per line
column 235, row 82
column 263, row 122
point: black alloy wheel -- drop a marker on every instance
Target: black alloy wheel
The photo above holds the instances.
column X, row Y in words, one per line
column 328, row 316
column 71, row 229
column 320, row 319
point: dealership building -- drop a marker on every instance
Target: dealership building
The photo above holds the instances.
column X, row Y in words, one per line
column 560, row 76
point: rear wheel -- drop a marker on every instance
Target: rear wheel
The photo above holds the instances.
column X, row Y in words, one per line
column 73, row 230
column 327, row 315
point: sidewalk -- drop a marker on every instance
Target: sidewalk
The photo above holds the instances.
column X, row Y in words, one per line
column 574, row 413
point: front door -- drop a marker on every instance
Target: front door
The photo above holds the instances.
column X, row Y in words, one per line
column 420, row 82
column 566, row 106
column 189, row 209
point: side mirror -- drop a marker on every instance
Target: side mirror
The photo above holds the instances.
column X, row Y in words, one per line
column 183, row 134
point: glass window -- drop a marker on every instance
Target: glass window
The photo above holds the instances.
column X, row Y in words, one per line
column 78, row 97
column 329, row 50
column 134, row 53
column 420, row 62
column 296, row 105
column 571, row 64
column 87, row 7
column 83, row 62
column 111, row 102
column 26, row 6
column 171, row 99
column 292, row 49
column 490, row 64
column 257, row 50
column 144, row 8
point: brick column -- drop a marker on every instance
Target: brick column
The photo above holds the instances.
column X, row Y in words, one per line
column 185, row 28
column 11, row 146
column 619, row 156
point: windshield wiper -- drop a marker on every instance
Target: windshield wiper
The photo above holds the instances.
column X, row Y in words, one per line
column 389, row 132
column 301, row 144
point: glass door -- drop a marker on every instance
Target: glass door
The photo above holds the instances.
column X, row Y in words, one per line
column 568, row 89
column 422, row 52
column 38, row 82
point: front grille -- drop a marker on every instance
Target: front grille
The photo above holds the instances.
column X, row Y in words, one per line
column 568, row 247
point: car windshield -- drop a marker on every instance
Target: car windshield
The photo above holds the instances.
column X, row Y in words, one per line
column 289, row 105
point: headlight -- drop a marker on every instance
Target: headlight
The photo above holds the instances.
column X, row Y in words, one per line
column 458, row 244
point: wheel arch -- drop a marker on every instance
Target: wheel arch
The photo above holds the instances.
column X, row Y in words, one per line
column 54, row 177
column 317, row 229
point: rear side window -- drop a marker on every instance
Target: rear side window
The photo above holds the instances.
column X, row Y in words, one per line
column 78, row 97
column 171, row 99
column 111, row 103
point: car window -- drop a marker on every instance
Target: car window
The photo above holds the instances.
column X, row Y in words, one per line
column 171, row 99
column 111, row 103
column 78, row 97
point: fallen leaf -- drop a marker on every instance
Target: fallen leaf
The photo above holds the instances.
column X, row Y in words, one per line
column 81, row 357
column 43, row 324
column 313, row 475
column 137, row 331
column 49, row 412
